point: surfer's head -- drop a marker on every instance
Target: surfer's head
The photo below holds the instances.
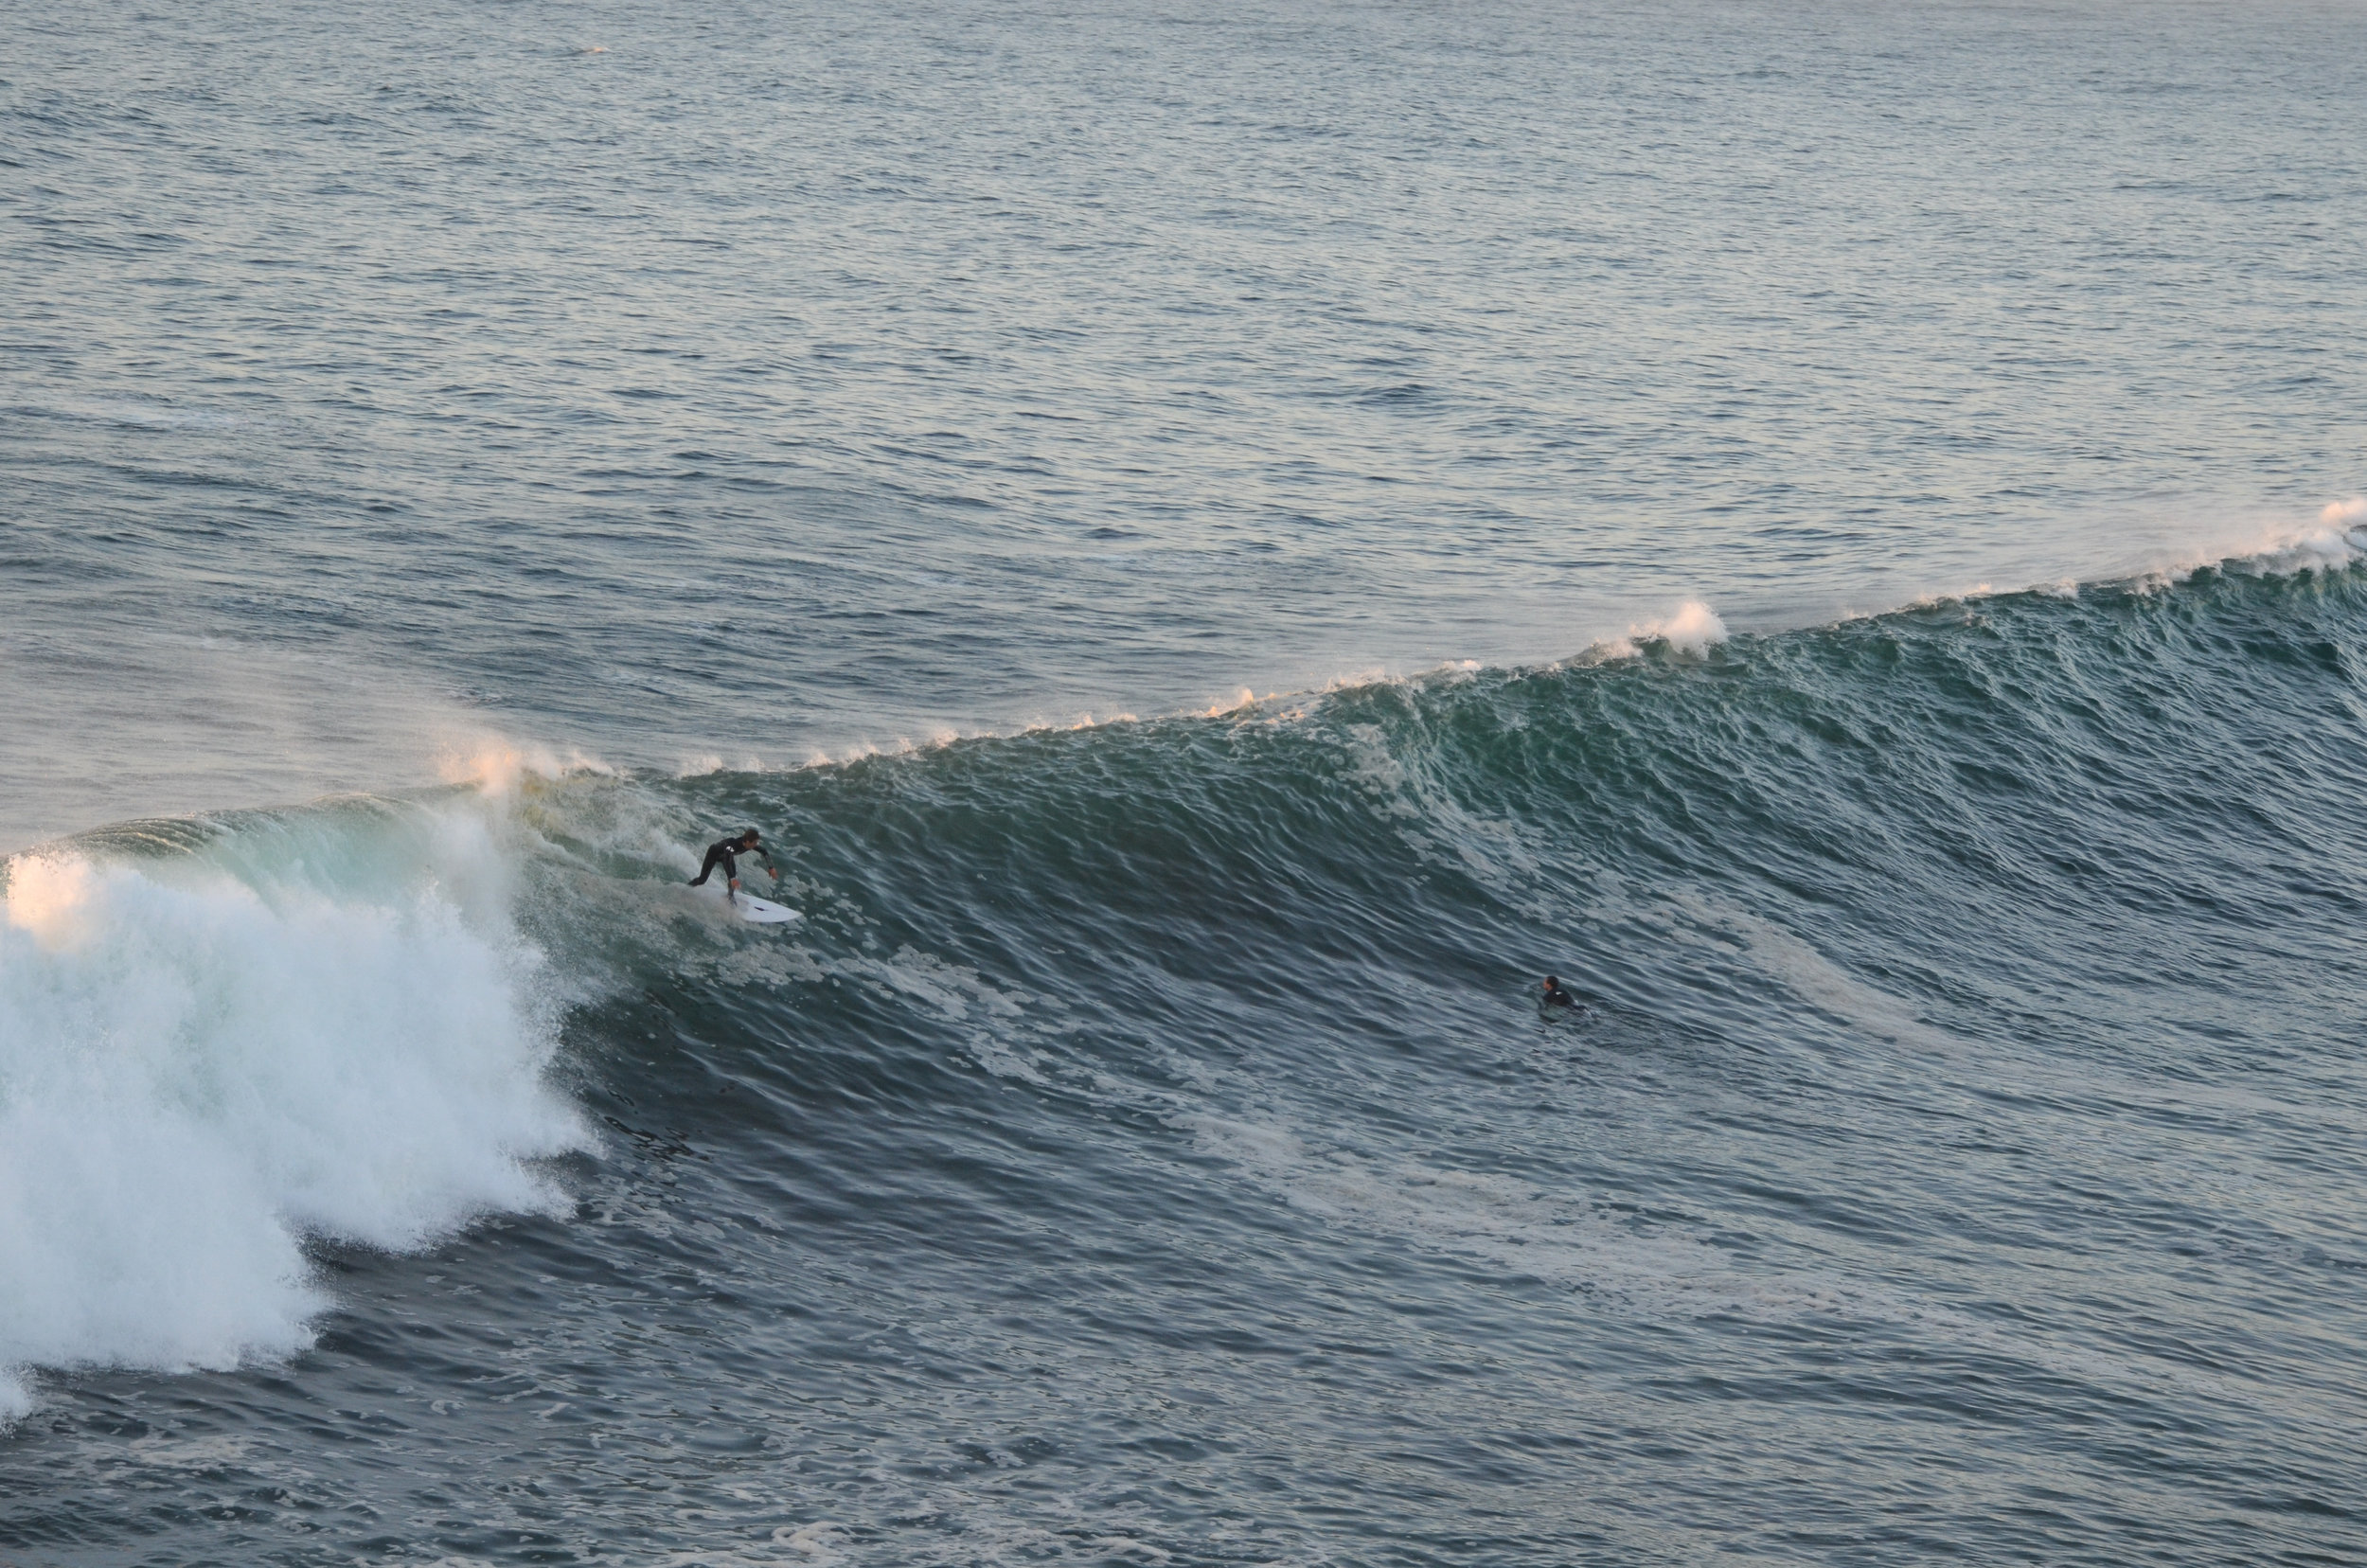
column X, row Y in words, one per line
column 749, row 836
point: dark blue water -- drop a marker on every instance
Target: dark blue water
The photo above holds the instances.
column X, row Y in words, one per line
column 1218, row 551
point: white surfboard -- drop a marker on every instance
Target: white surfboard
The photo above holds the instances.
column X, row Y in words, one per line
column 762, row 911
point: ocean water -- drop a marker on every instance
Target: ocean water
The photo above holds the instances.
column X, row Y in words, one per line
column 1218, row 548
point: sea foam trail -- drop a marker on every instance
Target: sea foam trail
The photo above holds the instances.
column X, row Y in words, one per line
column 208, row 1057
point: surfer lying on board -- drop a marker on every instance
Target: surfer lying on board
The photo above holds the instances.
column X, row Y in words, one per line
column 1555, row 997
column 725, row 852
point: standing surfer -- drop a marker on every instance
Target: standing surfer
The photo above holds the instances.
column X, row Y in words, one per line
column 725, row 853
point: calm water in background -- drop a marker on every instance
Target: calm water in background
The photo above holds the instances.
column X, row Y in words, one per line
column 1591, row 424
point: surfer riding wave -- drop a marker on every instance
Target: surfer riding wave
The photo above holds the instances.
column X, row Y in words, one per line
column 726, row 852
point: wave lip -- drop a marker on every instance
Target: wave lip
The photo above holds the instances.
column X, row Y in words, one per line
column 2336, row 541
column 203, row 1062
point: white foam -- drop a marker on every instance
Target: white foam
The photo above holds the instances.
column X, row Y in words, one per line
column 1691, row 628
column 328, row 1029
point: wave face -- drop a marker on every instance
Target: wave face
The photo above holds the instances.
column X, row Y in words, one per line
column 1149, row 1150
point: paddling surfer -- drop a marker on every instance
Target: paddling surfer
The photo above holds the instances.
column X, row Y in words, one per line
column 726, row 853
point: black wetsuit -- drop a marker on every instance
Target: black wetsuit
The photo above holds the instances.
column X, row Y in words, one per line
column 725, row 853
column 1556, row 997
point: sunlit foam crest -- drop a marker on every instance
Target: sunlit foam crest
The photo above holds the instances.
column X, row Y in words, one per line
column 2332, row 542
column 499, row 767
column 1356, row 679
column 1960, row 596
column 1692, row 628
column 49, row 898
column 1079, row 721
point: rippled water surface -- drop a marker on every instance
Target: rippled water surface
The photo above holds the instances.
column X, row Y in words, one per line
column 1218, row 548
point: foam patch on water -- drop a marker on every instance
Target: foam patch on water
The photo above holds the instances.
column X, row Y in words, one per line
column 1816, row 979
column 1496, row 1219
column 203, row 1060
column 1514, row 1226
